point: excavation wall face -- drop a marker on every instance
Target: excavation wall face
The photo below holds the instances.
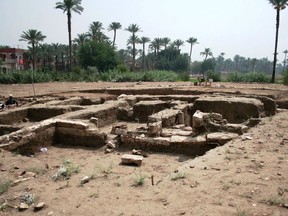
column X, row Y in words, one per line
column 233, row 109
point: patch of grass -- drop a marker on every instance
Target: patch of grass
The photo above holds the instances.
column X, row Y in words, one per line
column 179, row 175
column 3, row 206
column 106, row 170
column 241, row 212
column 37, row 170
column 139, row 179
column 66, row 170
column 278, row 201
column 4, row 186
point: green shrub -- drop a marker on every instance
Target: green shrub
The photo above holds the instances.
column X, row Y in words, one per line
column 216, row 76
column 248, row 77
column 285, row 78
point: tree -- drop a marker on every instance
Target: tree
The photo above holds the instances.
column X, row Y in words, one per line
column 95, row 31
column 278, row 6
column 207, row 52
column 81, row 38
column 165, row 42
column 178, row 43
column 114, row 26
column 133, row 28
column 70, row 6
column 192, row 41
column 284, row 62
column 97, row 54
column 143, row 41
column 32, row 37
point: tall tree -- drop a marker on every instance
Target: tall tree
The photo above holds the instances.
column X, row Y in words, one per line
column 165, row 42
column 278, row 6
column 133, row 28
column 81, row 38
column 192, row 41
column 114, row 26
column 285, row 59
column 178, row 43
column 32, row 37
column 69, row 6
column 143, row 41
column 95, row 31
column 207, row 52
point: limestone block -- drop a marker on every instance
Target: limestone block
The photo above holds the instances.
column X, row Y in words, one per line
column 132, row 159
column 221, row 137
column 198, row 119
column 155, row 128
column 71, row 124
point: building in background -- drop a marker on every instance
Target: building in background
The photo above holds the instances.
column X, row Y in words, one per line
column 13, row 59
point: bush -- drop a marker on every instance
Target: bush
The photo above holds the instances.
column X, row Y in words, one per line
column 248, row 77
column 285, row 78
column 216, row 76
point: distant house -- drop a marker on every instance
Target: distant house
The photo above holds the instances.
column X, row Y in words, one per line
column 13, row 59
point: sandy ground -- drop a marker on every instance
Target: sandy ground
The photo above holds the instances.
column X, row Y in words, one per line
column 247, row 176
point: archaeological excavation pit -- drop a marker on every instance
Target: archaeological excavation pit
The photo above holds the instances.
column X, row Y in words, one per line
column 187, row 124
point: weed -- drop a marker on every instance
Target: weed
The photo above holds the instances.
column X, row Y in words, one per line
column 66, row 170
column 274, row 201
column 228, row 158
column 178, row 176
column 37, row 170
column 241, row 212
column 4, row 186
column 28, row 198
column 139, row 179
column 4, row 206
column 15, row 153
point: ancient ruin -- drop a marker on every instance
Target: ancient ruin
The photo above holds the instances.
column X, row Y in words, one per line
column 148, row 119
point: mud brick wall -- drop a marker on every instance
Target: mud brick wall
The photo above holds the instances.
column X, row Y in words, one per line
column 11, row 116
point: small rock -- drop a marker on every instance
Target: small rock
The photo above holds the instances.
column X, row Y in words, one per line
column 23, row 206
column 86, row 179
column 50, row 213
column 110, row 144
column 108, row 150
column 132, row 159
column 39, row 206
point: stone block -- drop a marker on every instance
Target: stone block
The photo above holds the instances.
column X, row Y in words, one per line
column 132, row 159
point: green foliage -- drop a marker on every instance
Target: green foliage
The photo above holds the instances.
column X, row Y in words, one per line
column 216, row 76
column 139, row 179
column 248, row 77
column 171, row 59
column 178, row 176
column 91, row 74
column 4, row 186
column 208, row 65
column 122, row 68
column 98, row 54
column 285, row 78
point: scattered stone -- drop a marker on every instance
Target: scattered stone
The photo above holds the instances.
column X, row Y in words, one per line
column 16, row 182
column 110, row 144
column 23, row 207
column 132, row 159
column 94, row 120
column 85, row 180
column 108, row 150
column 198, row 119
column 50, row 213
column 39, row 206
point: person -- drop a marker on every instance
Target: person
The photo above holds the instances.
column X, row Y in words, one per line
column 11, row 102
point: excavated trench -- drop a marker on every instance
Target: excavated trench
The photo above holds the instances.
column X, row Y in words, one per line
column 186, row 124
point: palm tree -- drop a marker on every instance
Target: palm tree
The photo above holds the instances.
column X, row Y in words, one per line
column 114, row 26
column 192, row 41
column 133, row 28
column 33, row 37
column 69, row 6
column 81, row 38
column 278, row 6
column 178, row 43
column 143, row 41
column 284, row 62
column 95, row 31
column 207, row 52
column 165, row 42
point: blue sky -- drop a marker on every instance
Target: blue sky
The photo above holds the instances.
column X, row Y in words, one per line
column 244, row 27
